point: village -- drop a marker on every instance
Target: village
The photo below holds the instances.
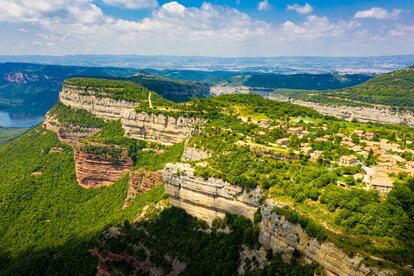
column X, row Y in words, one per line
column 379, row 161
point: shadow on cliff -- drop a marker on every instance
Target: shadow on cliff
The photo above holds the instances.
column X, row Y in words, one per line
column 70, row 258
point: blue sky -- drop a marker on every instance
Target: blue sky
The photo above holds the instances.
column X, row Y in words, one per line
column 207, row 28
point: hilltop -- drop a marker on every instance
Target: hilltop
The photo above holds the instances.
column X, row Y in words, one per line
column 394, row 90
column 251, row 173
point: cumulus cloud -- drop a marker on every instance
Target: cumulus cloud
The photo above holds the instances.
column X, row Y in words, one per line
column 305, row 9
column 264, row 5
column 80, row 26
column 378, row 13
column 132, row 4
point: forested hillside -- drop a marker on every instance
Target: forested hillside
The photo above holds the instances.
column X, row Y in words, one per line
column 395, row 90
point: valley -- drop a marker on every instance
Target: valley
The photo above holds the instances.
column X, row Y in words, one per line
column 279, row 184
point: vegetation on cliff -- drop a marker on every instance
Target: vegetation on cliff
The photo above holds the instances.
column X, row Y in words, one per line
column 176, row 234
column 48, row 221
column 67, row 116
column 116, row 89
column 395, row 90
column 174, row 90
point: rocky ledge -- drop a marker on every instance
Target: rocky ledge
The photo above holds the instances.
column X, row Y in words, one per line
column 282, row 236
column 71, row 134
column 158, row 128
column 100, row 165
column 207, row 199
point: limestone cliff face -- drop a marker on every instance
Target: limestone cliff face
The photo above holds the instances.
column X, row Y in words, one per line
column 137, row 125
column 158, row 128
column 191, row 154
column 283, row 236
column 97, row 170
column 68, row 134
column 212, row 198
column 103, row 107
column 379, row 114
column 207, row 199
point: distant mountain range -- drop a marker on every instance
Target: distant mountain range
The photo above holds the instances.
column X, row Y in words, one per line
column 280, row 65
column 27, row 91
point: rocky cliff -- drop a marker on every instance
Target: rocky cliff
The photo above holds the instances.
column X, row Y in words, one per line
column 207, row 199
column 280, row 235
column 100, row 165
column 212, row 198
column 158, row 128
column 137, row 125
column 70, row 134
column 379, row 114
column 94, row 102
column 141, row 181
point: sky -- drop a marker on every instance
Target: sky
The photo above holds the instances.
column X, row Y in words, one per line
column 228, row 28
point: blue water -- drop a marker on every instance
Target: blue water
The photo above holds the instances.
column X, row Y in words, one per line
column 18, row 120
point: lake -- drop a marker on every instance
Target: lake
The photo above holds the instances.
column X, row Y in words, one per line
column 9, row 119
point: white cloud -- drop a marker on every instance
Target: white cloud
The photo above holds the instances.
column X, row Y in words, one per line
column 132, row 4
column 305, row 9
column 79, row 26
column 264, row 5
column 378, row 13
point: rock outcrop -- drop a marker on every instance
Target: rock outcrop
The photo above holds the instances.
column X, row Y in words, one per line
column 283, row 236
column 94, row 170
column 141, row 181
column 158, row 128
column 138, row 125
column 94, row 102
column 379, row 114
column 71, row 134
column 207, row 199
column 212, row 198
column 191, row 154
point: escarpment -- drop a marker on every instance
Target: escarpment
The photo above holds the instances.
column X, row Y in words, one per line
column 138, row 125
column 70, row 134
column 280, row 235
column 213, row 198
column 158, row 128
column 100, row 165
column 141, row 181
column 96, row 103
column 207, row 199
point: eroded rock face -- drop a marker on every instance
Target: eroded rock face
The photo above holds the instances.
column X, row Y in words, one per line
column 283, row 236
column 191, row 154
column 141, row 181
column 377, row 114
column 97, row 170
column 103, row 107
column 207, row 199
column 138, row 125
column 68, row 134
column 158, row 128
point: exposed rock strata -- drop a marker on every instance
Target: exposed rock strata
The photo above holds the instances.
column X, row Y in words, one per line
column 93, row 171
column 71, row 134
column 212, row 198
column 207, row 199
column 141, row 181
column 283, row 236
column 158, row 128
column 137, row 125
column 379, row 114
column 94, row 102
column 191, row 154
